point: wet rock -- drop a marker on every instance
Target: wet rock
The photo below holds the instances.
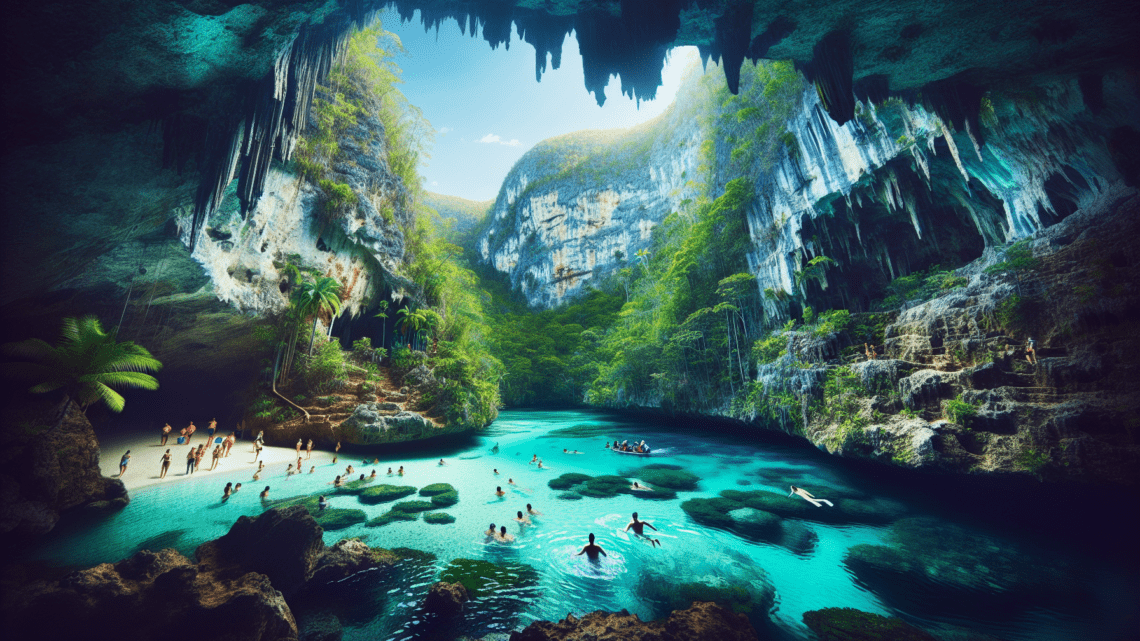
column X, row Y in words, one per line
column 699, row 622
column 849, row 624
column 283, row 544
column 319, row 626
column 446, row 599
column 367, row 426
column 161, row 595
column 346, row 558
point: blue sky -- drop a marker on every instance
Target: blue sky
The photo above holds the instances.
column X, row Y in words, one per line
column 488, row 110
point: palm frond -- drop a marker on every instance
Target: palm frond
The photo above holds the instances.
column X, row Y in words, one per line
column 31, row 349
column 122, row 379
column 113, row 399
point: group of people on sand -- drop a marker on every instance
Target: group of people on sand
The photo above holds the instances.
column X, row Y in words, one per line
column 624, row 446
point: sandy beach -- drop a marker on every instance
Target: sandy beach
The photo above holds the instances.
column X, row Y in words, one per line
column 146, row 458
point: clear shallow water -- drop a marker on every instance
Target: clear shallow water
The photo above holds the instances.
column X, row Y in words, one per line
column 185, row 514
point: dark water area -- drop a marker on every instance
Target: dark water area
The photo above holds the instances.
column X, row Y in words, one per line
column 1011, row 559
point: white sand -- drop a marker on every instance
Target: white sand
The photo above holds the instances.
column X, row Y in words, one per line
column 146, row 458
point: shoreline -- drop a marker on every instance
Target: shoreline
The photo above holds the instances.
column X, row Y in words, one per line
column 146, row 458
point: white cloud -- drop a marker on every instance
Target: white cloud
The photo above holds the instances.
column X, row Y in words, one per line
column 435, row 183
column 443, row 130
column 493, row 138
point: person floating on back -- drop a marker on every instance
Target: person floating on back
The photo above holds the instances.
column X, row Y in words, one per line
column 591, row 550
column 807, row 496
column 639, row 529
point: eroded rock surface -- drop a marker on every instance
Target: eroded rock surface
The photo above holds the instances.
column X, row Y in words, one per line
column 699, row 622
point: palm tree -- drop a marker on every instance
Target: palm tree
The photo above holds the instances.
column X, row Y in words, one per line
column 86, row 363
column 383, row 305
column 316, row 296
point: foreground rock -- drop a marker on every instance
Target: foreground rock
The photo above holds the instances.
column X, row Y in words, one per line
column 237, row 589
column 700, row 622
column 47, row 471
column 152, row 595
column 446, row 599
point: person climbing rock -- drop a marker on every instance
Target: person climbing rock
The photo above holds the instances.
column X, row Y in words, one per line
column 1031, row 350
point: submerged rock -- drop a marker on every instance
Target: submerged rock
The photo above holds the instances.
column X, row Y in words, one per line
column 699, row 622
column 849, row 624
column 931, row 564
column 481, row 578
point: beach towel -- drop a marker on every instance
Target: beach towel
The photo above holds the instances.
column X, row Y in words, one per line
column 182, row 440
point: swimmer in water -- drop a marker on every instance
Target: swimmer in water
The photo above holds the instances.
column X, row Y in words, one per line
column 522, row 520
column 534, row 459
column 503, row 537
column 639, row 529
column 592, row 550
column 640, row 488
column 496, row 471
column 390, row 472
column 401, row 471
column 265, row 493
column 499, row 491
column 373, row 475
column 807, row 496
column 490, row 531
column 441, row 462
column 531, row 511
column 237, row 487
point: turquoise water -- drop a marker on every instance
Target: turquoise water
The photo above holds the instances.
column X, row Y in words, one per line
column 185, row 514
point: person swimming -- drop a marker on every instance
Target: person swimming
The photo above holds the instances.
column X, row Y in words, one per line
column 496, row 471
column 637, row 487
column 441, row 462
column 490, row 531
column 522, row 520
column 531, row 511
column 265, row 492
column 534, row 459
column 639, row 529
column 807, row 496
column 390, row 472
column 499, row 491
column 401, row 471
column 322, row 503
column 503, row 537
column 373, row 475
column 227, row 491
column 237, row 487
column 592, row 550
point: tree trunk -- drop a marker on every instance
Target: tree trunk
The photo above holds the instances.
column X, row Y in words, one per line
column 63, row 414
column 313, row 338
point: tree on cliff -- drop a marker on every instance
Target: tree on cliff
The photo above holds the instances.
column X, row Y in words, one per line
column 315, row 296
column 86, row 363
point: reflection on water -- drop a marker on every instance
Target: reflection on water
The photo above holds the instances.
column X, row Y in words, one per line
column 937, row 560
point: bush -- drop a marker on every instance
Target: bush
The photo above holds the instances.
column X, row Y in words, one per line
column 960, row 411
column 325, row 371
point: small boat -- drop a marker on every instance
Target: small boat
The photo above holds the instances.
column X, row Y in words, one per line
column 615, row 451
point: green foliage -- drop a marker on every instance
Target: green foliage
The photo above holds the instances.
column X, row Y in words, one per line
column 960, row 411
column 326, row 370
column 482, row 578
column 86, row 363
column 770, row 348
column 439, row 518
column 1019, row 259
column 832, row 322
column 842, row 393
column 1031, row 460
column 921, row 286
column 385, row 493
column 436, row 488
column 1010, row 313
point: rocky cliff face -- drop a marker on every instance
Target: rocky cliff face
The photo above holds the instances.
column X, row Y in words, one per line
column 47, row 471
column 576, row 208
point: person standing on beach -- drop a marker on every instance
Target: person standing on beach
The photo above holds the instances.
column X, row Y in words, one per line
column 256, row 450
column 309, row 449
column 182, row 435
column 199, row 455
column 165, row 433
column 211, row 428
column 299, row 446
column 165, row 465
column 190, row 432
column 190, row 461
column 217, row 453
column 228, row 443
column 123, row 463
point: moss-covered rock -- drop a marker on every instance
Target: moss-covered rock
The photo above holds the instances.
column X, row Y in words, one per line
column 569, row 496
column 436, row 488
column 849, row 624
column 385, row 493
column 756, row 523
column 742, row 588
column 413, row 555
column 568, row 480
column 713, row 511
column 445, row 499
column 410, row 507
column 665, row 476
column 483, row 577
column 392, row 517
column 438, row 518
column 354, row 487
column 930, row 562
column 332, row 519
